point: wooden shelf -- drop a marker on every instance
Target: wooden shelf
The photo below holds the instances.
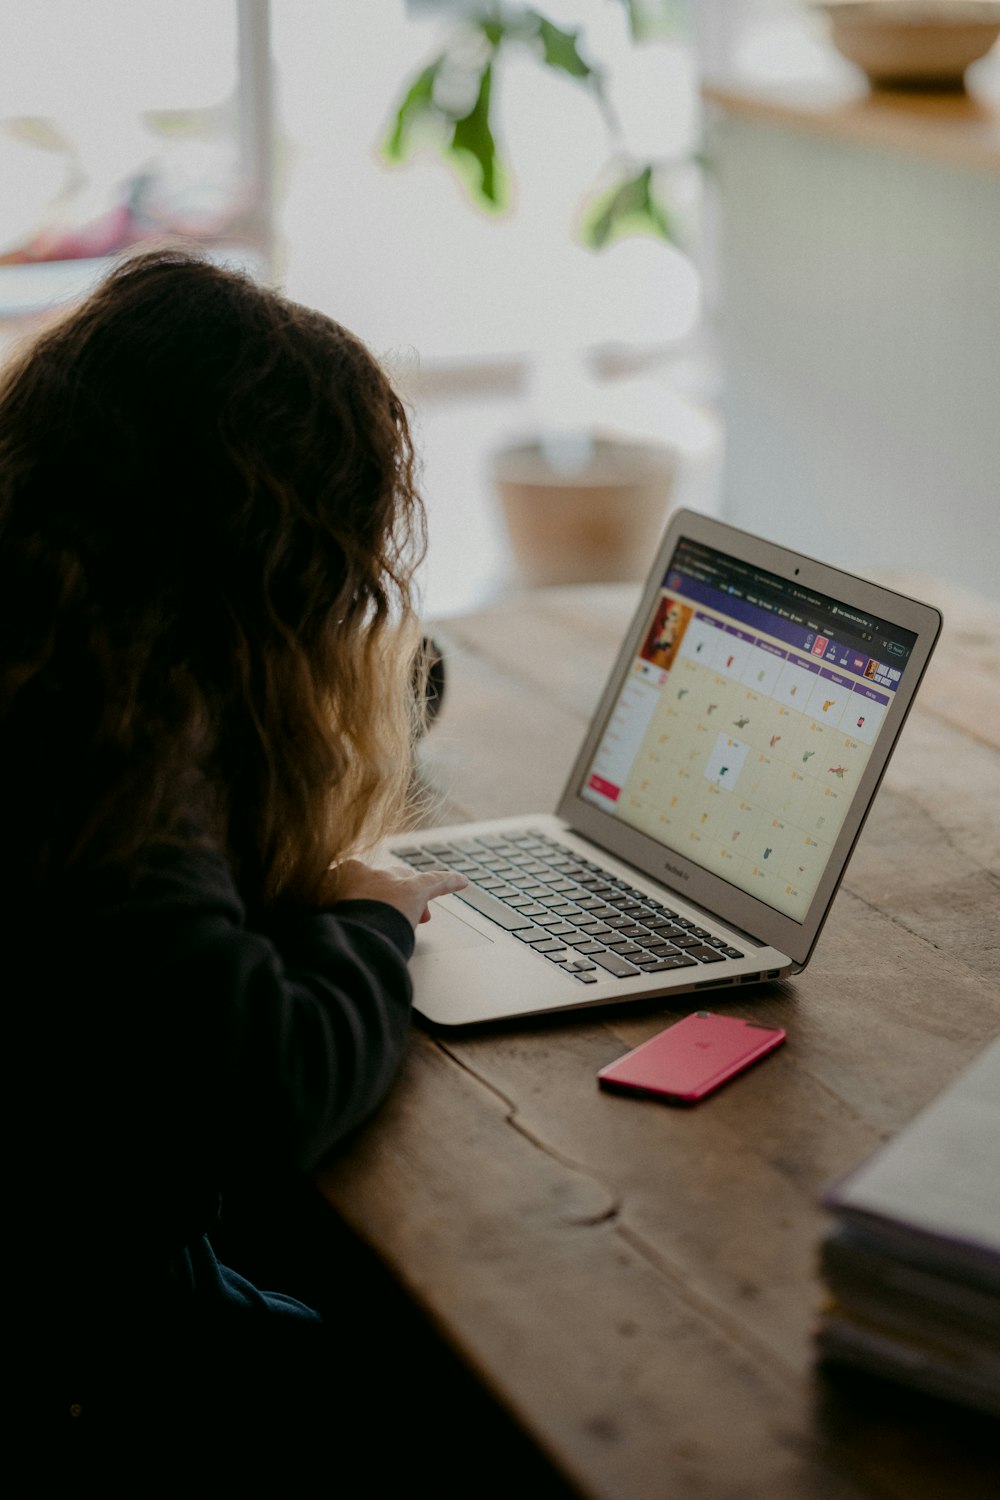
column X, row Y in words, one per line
column 960, row 129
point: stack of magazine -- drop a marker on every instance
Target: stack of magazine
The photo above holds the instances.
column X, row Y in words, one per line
column 912, row 1264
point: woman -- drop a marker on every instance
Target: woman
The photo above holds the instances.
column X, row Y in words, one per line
column 208, row 528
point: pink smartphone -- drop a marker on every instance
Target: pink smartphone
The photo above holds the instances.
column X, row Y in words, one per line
column 691, row 1058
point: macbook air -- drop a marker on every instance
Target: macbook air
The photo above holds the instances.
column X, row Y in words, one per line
column 714, row 802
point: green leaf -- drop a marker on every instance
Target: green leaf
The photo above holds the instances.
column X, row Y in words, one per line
column 560, row 49
column 495, row 31
column 630, row 206
column 473, row 138
column 418, row 101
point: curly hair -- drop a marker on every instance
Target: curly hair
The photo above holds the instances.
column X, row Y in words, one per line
column 209, row 525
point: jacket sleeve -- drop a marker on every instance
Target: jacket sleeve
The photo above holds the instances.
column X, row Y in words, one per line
column 250, row 1047
column 340, row 1025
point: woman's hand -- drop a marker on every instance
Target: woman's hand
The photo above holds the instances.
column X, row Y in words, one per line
column 409, row 891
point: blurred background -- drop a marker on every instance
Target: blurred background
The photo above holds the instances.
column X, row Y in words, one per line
column 620, row 254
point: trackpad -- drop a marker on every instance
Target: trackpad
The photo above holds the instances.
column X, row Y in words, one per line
column 445, row 932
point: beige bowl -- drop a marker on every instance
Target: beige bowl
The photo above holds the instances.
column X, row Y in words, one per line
column 909, row 44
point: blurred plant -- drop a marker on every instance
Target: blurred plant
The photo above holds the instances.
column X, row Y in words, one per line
column 452, row 104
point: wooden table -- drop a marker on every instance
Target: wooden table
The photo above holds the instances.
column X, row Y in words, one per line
column 637, row 1285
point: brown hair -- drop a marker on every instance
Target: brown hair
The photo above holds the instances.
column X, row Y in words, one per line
column 208, row 529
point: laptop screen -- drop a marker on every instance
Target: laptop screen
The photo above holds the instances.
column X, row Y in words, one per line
column 748, row 716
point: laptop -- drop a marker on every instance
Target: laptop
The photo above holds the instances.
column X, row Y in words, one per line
column 714, row 802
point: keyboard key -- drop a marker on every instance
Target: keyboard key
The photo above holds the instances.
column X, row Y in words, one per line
column 482, row 901
column 680, row 962
column 620, row 967
column 665, row 928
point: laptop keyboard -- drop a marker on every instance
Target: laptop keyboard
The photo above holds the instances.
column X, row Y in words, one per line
column 572, row 911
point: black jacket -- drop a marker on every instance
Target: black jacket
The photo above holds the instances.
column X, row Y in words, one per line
column 199, row 1051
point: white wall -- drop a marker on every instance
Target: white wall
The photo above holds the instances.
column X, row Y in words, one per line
column 861, row 344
